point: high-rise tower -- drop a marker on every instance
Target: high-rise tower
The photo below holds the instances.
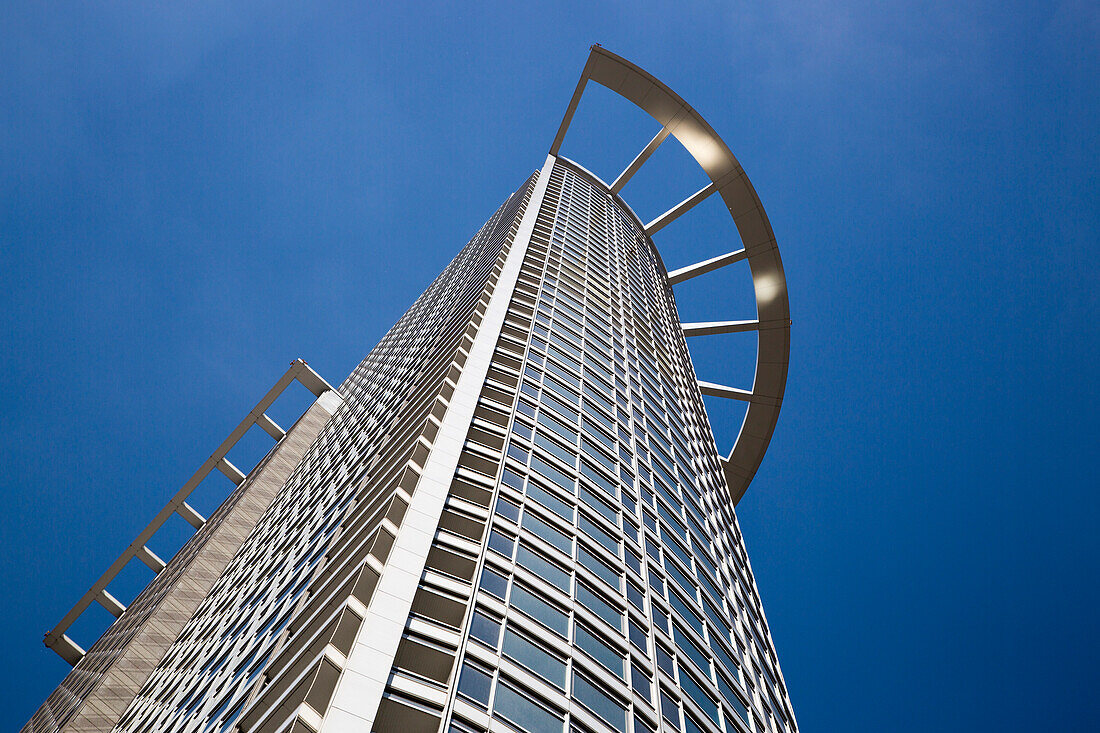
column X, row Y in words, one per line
column 511, row 516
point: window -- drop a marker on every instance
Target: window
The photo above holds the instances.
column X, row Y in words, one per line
column 534, row 658
column 475, row 684
column 597, row 533
column 494, row 583
column 732, row 699
column 602, row 507
column 691, row 726
column 564, row 455
column 507, row 509
column 701, row 698
column 485, row 629
column 639, row 638
column 599, row 567
column 633, row 561
column 670, row 709
column 542, row 567
column 502, row 543
column 598, row 649
column 590, row 695
column 524, row 712
column 544, row 531
column 540, row 610
column 551, row 502
column 595, row 603
column 564, row 482
column 664, row 660
column 640, row 681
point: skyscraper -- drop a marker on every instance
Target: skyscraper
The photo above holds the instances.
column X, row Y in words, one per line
column 511, row 516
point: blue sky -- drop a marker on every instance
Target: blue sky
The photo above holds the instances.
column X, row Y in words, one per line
column 192, row 196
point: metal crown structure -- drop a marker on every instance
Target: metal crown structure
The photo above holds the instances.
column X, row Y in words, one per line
column 759, row 248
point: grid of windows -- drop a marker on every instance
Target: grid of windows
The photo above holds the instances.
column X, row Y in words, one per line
column 615, row 591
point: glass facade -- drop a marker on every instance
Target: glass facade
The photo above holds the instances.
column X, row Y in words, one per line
column 613, row 561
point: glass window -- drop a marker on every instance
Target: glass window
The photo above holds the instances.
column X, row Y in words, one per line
column 599, row 703
column 559, row 478
column 567, row 457
column 512, row 479
column 567, row 394
column 664, row 661
column 599, row 650
column 475, row 684
column 681, row 580
column 521, row 430
column 686, row 613
column 524, row 712
column 501, row 542
column 534, row 658
column 517, row 452
column 563, row 375
column 660, row 618
column 597, row 533
column 599, row 418
column 656, row 583
column 722, row 656
column 485, row 629
column 639, row 638
column 595, row 603
column 670, row 709
column 544, row 531
column 732, row 699
column 633, row 561
column 542, row 567
column 599, row 567
column 564, row 358
column 595, row 477
column 690, row 726
column 690, row 650
column 556, row 426
column 640, row 681
column 551, row 502
column 679, row 551
column 596, row 502
column 507, row 509
column 590, row 450
column 590, row 429
column 676, row 525
column 493, row 582
column 701, row 698
column 539, row 610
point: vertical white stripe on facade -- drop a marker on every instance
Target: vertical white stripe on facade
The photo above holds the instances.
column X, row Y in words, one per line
column 358, row 693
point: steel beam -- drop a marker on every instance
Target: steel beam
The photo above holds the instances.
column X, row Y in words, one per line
column 702, row 268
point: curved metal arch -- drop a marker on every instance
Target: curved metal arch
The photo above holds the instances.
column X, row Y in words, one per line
column 728, row 179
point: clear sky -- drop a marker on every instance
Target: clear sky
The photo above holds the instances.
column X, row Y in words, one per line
column 193, row 195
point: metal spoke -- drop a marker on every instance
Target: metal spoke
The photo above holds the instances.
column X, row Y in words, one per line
column 639, row 160
column 710, row 328
column 702, row 268
column 680, row 209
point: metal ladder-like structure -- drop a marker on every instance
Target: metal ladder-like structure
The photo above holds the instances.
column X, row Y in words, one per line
column 57, row 639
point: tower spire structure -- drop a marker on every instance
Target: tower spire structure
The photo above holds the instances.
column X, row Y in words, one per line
column 511, row 516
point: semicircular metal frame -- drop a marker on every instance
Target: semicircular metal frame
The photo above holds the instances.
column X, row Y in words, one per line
column 728, row 179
